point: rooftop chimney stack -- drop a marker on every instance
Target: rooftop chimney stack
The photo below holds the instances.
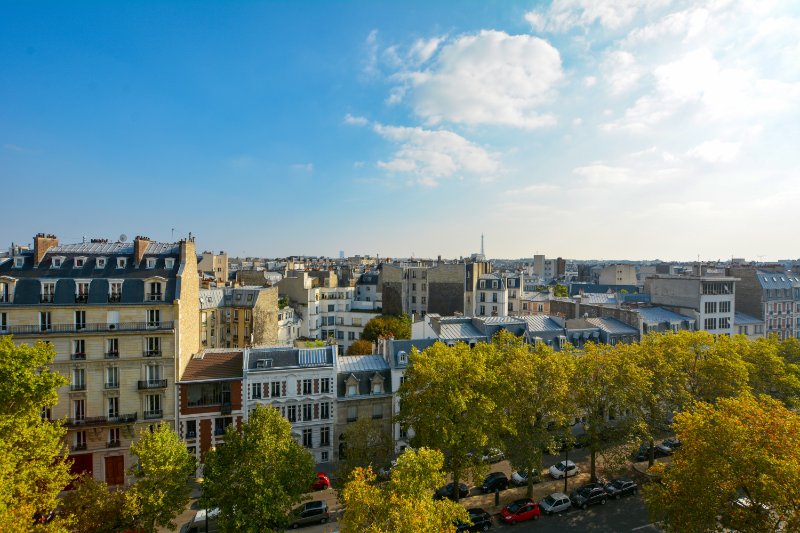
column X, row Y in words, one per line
column 140, row 244
column 41, row 244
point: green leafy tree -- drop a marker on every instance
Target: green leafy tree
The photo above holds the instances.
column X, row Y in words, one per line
column 560, row 291
column 398, row 327
column 366, row 444
column 769, row 372
column 405, row 503
column 360, row 347
column 161, row 491
column 535, row 396
column 258, row 476
column 713, row 366
column 93, row 508
column 605, row 385
column 740, row 447
column 448, row 398
column 33, row 460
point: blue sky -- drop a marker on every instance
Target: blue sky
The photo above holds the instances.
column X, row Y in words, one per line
column 579, row 128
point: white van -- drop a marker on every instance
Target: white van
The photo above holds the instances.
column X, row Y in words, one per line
column 198, row 523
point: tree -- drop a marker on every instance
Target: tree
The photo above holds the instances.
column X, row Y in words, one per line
column 535, row 395
column 92, row 507
column 769, row 372
column 33, row 460
column 560, row 291
column 161, row 490
column 448, row 398
column 259, row 475
column 360, row 347
column 605, row 385
column 398, row 327
column 405, row 504
column 744, row 446
column 366, row 444
column 713, row 366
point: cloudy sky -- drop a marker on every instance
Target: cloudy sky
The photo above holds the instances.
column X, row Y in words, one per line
column 578, row 128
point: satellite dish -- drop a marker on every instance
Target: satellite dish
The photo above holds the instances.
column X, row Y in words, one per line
column 123, row 238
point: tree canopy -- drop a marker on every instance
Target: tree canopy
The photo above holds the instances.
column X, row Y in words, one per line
column 161, row 490
column 740, row 447
column 403, row 505
column 366, row 444
column 92, row 508
column 360, row 347
column 398, row 327
column 259, row 475
column 33, row 460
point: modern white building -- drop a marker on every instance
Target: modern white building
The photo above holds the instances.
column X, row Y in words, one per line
column 710, row 300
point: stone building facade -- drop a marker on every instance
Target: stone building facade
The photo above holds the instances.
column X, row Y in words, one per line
column 238, row 317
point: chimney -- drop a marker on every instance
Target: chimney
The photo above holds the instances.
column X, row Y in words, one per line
column 41, row 244
column 139, row 246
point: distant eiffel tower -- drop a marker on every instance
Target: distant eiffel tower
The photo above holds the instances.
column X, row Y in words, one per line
column 482, row 245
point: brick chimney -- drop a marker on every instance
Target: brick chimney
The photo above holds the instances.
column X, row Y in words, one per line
column 41, row 244
column 139, row 246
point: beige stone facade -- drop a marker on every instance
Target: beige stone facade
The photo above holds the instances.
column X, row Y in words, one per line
column 238, row 317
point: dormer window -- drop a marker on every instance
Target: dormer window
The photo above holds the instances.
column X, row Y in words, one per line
column 81, row 291
column 169, row 263
column 100, row 263
column 19, row 262
column 151, row 262
column 352, row 389
column 155, row 294
column 402, row 357
column 377, row 387
column 122, row 262
column 48, row 291
column 80, row 262
column 114, row 291
column 57, row 261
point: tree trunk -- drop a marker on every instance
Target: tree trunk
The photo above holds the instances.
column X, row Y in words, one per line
column 456, row 489
column 529, row 492
column 592, row 466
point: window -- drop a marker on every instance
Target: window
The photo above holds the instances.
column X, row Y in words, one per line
column 78, row 379
column 191, row 429
column 413, row 299
column 482, row 310
column 80, row 440
column 3, row 322
column 325, row 385
column 221, row 423
column 377, row 387
column 352, row 389
column 340, row 335
column 482, row 297
column 152, row 347
column 494, row 297
column 424, row 299
column 325, row 436
column 351, row 335
column 151, row 262
column 154, row 294
column 724, row 307
column 44, row 321
column 201, row 394
column 153, row 317
column 307, row 411
column 48, row 291
column 122, row 262
column 291, row 413
column 81, row 291
column 114, row 291
column 710, row 323
column 306, row 386
column 79, row 262
column 80, row 319
column 79, row 409
column 152, row 406
column 79, row 349
column 19, row 262
column 724, row 322
column 113, row 438
column 325, row 410
column 169, row 263
column 112, row 407
column 46, row 414
column 402, row 356
column 413, row 286
column 56, row 262
column 255, row 391
column 711, row 307
column 100, row 263
column 307, row 438
column 377, row 411
column 424, row 286
column 275, row 389
column 112, row 377
column 352, row 413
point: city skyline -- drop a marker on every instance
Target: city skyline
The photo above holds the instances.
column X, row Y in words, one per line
column 576, row 129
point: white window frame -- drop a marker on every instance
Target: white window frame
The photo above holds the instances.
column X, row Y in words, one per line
column 169, row 262
column 82, row 261
column 122, row 262
column 19, row 262
column 151, row 262
column 56, row 262
column 100, row 262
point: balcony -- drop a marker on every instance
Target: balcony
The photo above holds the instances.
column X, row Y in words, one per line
column 114, row 298
column 102, row 327
column 152, row 353
column 150, row 415
column 81, row 298
column 152, row 384
column 112, row 355
column 78, row 357
column 46, row 298
column 78, row 447
column 101, row 420
column 114, row 385
column 77, row 387
column 113, row 444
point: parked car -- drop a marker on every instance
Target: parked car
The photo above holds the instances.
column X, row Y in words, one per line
column 672, row 443
column 520, row 479
column 448, row 491
column 555, row 503
column 564, row 468
column 617, row 488
column 322, row 482
column 520, row 511
column 658, row 451
column 492, row 455
column 198, row 523
column 589, row 495
column 481, row 521
column 495, row 480
column 315, row 512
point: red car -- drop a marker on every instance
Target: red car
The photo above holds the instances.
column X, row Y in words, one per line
column 520, row 511
column 322, row 482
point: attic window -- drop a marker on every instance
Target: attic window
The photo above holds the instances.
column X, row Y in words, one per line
column 352, row 389
column 169, row 263
column 56, row 262
column 79, row 262
column 121, row 262
column 402, row 356
column 264, row 363
column 19, row 262
column 101, row 262
column 151, row 262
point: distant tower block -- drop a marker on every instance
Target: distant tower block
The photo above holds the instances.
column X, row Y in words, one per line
column 341, row 254
column 482, row 253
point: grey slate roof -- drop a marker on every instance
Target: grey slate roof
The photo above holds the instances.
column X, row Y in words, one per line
column 362, row 363
column 287, row 357
column 776, row 280
column 541, row 323
column 613, row 326
column 458, row 330
column 742, row 319
column 656, row 315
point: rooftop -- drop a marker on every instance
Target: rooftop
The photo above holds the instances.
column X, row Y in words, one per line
column 214, row 364
column 362, row 363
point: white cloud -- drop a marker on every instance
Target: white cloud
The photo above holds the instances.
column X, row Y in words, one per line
column 486, row 78
column 565, row 15
column 589, row 81
column 577, row 121
column 599, row 174
column 303, row 167
column 716, row 151
column 432, row 155
column 622, row 71
column 371, row 52
column 355, row 120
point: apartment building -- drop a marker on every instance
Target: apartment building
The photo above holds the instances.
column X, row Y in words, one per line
column 238, row 317
column 300, row 383
column 492, row 295
column 288, row 326
column 769, row 295
column 210, row 398
column 214, row 266
column 618, row 275
column 123, row 320
column 710, row 300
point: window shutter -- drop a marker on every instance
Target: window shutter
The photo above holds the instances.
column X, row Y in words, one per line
column 266, row 390
column 316, row 411
column 316, row 386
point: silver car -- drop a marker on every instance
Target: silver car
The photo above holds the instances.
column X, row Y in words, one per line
column 315, row 512
column 555, row 503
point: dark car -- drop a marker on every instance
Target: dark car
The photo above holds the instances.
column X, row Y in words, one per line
column 448, row 491
column 495, row 480
column 589, row 495
column 672, row 443
column 617, row 488
column 644, row 452
column 481, row 521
